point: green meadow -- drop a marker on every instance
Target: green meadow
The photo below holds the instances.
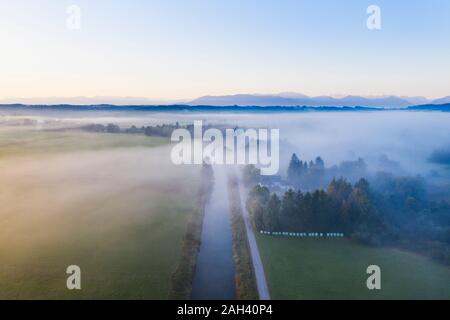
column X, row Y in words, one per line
column 25, row 142
column 299, row 268
column 112, row 204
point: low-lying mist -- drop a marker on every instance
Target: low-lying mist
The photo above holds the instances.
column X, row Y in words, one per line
column 112, row 212
column 402, row 136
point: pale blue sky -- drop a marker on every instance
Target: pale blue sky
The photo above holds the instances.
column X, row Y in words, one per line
column 183, row 49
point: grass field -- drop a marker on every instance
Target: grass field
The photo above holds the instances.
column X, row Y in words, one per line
column 111, row 204
column 336, row 269
column 24, row 142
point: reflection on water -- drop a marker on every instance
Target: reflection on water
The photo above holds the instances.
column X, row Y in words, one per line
column 214, row 275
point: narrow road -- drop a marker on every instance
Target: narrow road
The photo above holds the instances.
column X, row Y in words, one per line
column 258, row 267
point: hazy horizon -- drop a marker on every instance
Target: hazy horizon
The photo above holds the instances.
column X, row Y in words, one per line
column 131, row 100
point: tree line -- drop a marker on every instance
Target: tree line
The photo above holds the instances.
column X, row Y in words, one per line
column 164, row 130
column 342, row 207
column 380, row 209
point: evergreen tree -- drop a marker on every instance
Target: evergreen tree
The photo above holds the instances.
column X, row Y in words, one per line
column 272, row 213
column 294, row 169
column 320, row 164
column 256, row 205
column 289, row 212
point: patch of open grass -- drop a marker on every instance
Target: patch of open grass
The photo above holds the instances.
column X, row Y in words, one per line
column 20, row 142
column 336, row 269
column 118, row 213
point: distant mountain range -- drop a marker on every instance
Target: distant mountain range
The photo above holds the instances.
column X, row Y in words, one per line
column 296, row 99
column 97, row 100
column 285, row 99
column 442, row 100
column 204, row 108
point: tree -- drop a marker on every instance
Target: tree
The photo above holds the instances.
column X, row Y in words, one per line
column 289, row 211
column 272, row 213
column 112, row 128
column 320, row 164
column 339, row 189
column 365, row 222
column 251, row 175
column 321, row 212
column 294, row 169
column 256, row 205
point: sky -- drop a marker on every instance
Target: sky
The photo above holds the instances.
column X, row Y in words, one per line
column 183, row 49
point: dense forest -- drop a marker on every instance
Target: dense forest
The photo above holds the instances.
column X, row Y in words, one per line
column 380, row 209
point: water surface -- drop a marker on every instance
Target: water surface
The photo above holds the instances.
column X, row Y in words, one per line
column 214, row 276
